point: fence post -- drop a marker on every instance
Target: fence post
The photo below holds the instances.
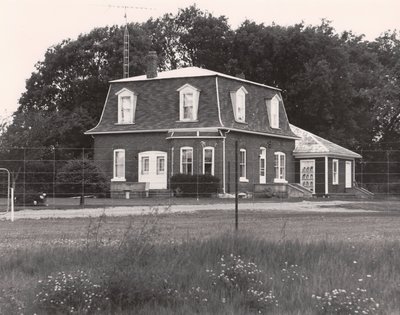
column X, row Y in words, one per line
column 24, row 185
column 236, row 188
column 12, row 204
column 82, row 199
column 388, row 171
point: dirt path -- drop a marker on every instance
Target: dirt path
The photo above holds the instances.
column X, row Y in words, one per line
column 304, row 206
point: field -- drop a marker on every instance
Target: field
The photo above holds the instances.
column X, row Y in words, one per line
column 188, row 263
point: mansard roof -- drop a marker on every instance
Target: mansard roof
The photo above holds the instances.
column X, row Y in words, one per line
column 158, row 104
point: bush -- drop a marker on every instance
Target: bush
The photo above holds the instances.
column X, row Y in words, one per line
column 192, row 185
column 81, row 176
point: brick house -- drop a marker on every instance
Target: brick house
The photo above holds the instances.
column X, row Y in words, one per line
column 188, row 120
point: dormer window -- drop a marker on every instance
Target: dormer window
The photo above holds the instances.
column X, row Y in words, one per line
column 188, row 102
column 273, row 111
column 126, row 106
column 238, row 99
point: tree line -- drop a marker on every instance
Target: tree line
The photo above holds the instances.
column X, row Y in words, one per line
column 339, row 86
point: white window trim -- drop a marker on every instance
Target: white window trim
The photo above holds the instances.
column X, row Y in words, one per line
column 262, row 156
column 278, row 155
column 234, row 100
column 118, row 179
column 212, row 156
column 335, row 179
column 241, row 178
column 142, row 170
column 273, row 105
column 127, row 93
column 158, row 171
column 187, row 88
column 181, row 156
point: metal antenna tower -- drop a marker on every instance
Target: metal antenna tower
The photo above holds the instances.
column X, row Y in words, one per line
column 126, row 49
column 126, row 37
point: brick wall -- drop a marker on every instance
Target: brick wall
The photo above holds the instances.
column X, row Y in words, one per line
column 135, row 143
column 252, row 144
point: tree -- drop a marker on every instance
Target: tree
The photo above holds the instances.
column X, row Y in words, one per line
column 192, row 38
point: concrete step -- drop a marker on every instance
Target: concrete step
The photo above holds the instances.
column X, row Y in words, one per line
column 159, row 193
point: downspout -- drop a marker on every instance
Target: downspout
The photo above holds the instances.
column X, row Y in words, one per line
column 223, row 139
column 218, row 103
column 326, row 176
column 224, row 161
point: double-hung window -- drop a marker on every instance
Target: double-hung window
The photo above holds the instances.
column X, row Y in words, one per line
column 188, row 102
column 273, row 111
column 119, row 165
column 280, row 167
column 208, row 160
column 243, row 166
column 335, row 172
column 186, row 160
column 126, row 106
column 238, row 99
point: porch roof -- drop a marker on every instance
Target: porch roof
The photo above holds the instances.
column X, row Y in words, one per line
column 312, row 145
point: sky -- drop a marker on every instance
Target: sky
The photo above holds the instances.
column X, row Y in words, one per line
column 29, row 27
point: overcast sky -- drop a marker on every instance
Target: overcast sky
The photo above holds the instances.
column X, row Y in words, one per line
column 29, row 27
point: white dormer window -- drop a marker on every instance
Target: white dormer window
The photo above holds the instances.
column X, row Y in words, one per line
column 273, row 111
column 238, row 99
column 188, row 102
column 126, row 106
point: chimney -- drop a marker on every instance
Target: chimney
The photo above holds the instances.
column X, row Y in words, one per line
column 151, row 63
column 241, row 75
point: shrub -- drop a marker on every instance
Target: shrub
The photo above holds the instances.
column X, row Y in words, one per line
column 78, row 176
column 188, row 185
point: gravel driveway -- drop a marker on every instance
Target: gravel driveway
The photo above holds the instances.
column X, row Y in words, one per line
column 304, row 206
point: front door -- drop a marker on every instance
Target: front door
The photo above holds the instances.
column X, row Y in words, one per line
column 263, row 160
column 349, row 177
column 307, row 174
column 153, row 169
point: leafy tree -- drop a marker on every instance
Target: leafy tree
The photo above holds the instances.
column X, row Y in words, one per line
column 192, row 38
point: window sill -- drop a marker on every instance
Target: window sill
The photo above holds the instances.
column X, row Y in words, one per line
column 335, row 184
column 280, row 181
column 276, row 128
column 241, row 122
column 116, row 179
column 187, row 121
column 123, row 124
column 243, row 180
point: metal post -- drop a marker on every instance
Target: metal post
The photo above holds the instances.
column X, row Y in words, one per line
column 8, row 186
column 197, row 171
column 82, row 199
column 388, row 171
column 236, row 187
column 12, row 204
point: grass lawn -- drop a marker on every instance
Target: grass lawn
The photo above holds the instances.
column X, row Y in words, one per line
column 290, row 263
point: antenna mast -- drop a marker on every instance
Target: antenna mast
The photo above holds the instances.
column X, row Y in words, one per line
column 126, row 37
column 126, row 49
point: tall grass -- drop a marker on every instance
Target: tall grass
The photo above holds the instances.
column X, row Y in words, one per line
column 139, row 273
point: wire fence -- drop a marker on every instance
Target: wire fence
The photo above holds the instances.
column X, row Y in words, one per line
column 66, row 177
